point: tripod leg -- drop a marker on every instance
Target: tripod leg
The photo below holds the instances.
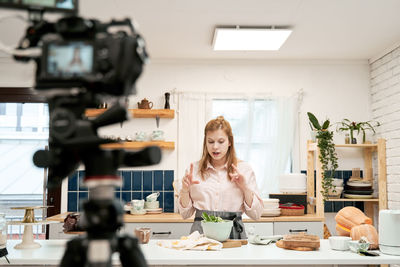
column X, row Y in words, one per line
column 130, row 253
column 75, row 253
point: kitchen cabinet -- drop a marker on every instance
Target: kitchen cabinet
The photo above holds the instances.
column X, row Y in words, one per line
column 176, row 230
column 315, row 196
column 172, row 226
column 312, row 228
column 56, row 232
column 160, row 230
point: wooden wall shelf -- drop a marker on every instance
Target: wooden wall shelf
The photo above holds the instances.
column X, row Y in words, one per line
column 312, row 146
column 137, row 113
column 139, row 145
column 354, row 200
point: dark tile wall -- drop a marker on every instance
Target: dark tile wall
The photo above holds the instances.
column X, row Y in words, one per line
column 135, row 185
column 335, row 206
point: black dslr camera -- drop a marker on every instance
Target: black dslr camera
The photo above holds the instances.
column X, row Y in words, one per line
column 81, row 61
column 82, row 53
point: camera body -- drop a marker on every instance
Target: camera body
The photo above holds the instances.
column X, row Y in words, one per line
column 82, row 53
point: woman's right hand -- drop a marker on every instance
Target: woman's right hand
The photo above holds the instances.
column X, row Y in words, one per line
column 187, row 181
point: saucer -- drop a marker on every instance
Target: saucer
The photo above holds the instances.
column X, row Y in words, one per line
column 139, row 213
column 154, row 211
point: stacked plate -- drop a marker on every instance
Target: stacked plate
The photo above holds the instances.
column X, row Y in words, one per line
column 271, row 207
column 358, row 190
column 293, row 183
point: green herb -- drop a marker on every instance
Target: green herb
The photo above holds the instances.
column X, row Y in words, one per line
column 211, row 218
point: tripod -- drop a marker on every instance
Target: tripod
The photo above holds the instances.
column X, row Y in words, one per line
column 102, row 215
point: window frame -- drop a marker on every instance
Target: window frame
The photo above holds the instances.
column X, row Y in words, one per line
column 29, row 95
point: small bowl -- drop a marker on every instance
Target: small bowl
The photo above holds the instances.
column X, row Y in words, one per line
column 219, row 231
column 355, row 245
column 337, row 193
column 339, row 242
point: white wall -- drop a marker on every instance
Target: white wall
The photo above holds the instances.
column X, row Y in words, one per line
column 332, row 89
column 385, row 97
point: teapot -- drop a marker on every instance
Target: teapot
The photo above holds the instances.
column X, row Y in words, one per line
column 145, row 104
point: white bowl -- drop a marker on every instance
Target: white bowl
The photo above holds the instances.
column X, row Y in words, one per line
column 337, row 182
column 337, row 193
column 219, row 231
column 339, row 242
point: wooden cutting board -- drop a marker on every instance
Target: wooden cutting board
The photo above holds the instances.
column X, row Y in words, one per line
column 234, row 243
column 301, row 241
column 280, row 244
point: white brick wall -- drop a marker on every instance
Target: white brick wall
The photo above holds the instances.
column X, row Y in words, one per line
column 385, row 105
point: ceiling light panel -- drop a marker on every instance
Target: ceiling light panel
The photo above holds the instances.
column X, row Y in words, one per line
column 249, row 39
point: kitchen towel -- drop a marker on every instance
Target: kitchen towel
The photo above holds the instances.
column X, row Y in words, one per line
column 194, row 241
column 264, row 240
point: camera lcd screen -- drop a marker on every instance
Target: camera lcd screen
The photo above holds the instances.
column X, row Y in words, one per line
column 69, row 60
column 49, row 5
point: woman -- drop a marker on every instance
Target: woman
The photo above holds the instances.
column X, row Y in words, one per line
column 219, row 184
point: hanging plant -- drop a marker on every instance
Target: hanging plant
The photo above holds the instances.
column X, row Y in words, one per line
column 327, row 156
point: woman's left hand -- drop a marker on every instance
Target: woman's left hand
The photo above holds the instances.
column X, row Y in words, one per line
column 238, row 178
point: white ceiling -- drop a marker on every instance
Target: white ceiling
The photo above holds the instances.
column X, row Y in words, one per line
column 323, row 29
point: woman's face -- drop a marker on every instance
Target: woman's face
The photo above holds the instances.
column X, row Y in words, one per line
column 217, row 145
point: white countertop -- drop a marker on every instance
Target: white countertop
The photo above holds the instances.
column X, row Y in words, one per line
column 52, row 251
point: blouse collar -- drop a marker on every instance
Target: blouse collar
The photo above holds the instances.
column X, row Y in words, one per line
column 210, row 166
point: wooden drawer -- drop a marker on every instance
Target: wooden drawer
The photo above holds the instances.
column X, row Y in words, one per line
column 160, row 230
column 264, row 229
column 312, row 228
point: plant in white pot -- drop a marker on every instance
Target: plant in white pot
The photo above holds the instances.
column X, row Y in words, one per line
column 215, row 227
column 327, row 156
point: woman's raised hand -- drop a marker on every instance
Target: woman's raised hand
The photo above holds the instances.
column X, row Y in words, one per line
column 237, row 177
column 187, row 181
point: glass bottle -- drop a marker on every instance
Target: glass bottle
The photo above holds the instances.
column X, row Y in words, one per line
column 347, row 139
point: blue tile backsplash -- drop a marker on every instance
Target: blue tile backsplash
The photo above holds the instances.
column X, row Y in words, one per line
column 335, row 206
column 135, row 185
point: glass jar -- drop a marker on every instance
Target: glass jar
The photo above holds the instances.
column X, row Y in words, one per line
column 3, row 231
column 347, row 139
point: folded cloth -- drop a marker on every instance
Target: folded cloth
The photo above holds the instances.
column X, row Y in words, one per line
column 264, row 240
column 194, row 241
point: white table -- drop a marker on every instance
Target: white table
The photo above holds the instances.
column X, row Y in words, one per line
column 52, row 251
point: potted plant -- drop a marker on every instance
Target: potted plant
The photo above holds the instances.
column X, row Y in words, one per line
column 327, row 156
column 351, row 126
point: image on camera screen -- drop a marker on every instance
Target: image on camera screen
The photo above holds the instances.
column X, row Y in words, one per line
column 67, row 4
column 66, row 60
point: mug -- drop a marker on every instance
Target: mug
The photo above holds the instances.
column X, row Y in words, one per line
column 137, row 205
column 157, row 135
column 140, row 136
column 152, row 197
column 143, row 234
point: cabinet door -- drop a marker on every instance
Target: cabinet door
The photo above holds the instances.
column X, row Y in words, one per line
column 161, row 230
column 263, row 229
column 56, row 232
column 312, row 228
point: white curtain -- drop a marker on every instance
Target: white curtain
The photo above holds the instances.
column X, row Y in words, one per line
column 192, row 117
column 283, row 131
column 271, row 129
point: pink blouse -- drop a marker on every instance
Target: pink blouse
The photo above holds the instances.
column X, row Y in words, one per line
column 218, row 193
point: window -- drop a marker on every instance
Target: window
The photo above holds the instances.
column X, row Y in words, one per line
column 23, row 131
column 254, row 125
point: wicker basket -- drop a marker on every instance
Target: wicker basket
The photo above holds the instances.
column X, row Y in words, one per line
column 291, row 209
